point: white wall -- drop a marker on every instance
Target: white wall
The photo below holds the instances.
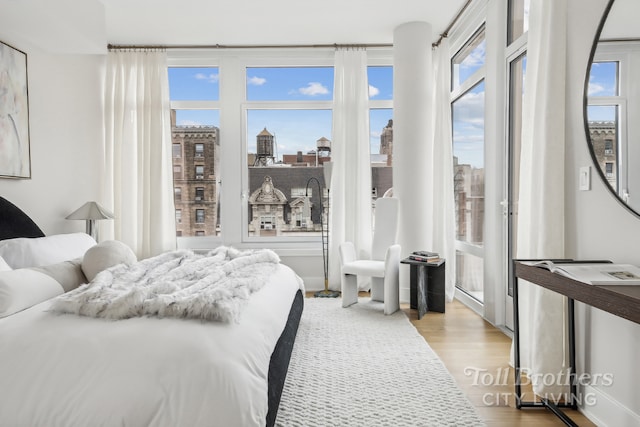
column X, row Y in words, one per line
column 598, row 227
column 65, row 112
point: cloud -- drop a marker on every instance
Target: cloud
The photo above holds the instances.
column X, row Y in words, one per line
column 256, row 81
column 186, row 123
column 594, row 89
column 373, row 91
column 211, row 78
column 313, row 89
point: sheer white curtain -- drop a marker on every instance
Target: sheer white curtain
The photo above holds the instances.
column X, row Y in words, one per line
column 541, row 202
column 138, row 180
column 440, row 186
column 350, row 213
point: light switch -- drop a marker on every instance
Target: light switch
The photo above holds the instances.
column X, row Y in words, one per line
column 585, row 178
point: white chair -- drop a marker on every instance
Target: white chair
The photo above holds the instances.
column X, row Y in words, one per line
column 384, row 265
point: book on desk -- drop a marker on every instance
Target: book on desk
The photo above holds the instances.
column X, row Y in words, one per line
column 593, row 273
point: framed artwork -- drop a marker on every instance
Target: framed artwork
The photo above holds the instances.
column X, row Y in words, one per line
column 15, row 156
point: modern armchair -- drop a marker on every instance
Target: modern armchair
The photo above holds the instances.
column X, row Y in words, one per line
column 384, row 265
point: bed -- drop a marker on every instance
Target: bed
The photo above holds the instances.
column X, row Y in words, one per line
column 69, row 370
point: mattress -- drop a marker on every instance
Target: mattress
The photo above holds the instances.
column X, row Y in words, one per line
column 67, row 370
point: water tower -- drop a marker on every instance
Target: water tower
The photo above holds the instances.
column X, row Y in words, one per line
column 264, row 145
column 324, row 147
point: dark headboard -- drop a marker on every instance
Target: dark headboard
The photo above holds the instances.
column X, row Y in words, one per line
column 15, row 223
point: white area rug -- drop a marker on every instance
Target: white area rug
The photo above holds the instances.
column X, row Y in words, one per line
column 357, row 367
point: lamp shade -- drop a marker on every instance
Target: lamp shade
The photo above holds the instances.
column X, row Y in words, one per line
column 91, row 210
column 328, row 170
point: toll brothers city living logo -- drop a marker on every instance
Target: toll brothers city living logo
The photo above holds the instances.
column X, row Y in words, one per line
column 503, row 377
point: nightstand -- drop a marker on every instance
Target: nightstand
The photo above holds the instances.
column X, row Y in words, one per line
column 426, row 285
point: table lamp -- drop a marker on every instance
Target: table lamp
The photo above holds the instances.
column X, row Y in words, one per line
column 90, row 212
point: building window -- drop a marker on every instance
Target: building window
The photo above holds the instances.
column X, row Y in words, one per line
column 178, row 216
column 177, row 194
column 177, row 172
column 199, row 216
column 608, row 146
column 200, row 233
column 609, row 169
column 177, row 150
column 199, row 194
column 199, row 171
column 199, row 150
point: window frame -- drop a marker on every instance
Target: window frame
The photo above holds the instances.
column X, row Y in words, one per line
column 233, row 106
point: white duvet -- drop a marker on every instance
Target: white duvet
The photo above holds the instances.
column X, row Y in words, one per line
column 66, row 370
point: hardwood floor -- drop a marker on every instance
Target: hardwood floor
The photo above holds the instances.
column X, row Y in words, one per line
column 477, row 353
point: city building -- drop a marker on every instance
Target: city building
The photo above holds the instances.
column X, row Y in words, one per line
column 195, row 164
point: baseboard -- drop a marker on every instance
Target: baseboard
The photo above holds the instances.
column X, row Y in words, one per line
column 604, row 411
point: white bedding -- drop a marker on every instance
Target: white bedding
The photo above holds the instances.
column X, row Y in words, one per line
column 67, row 370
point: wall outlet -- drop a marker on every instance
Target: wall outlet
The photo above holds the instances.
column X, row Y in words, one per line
column 585, row 178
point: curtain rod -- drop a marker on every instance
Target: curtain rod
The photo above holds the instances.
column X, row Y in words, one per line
column 287, row 46
column 247, row 46
column 445, row 33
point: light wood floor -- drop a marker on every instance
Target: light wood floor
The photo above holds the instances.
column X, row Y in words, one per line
column 465, row 342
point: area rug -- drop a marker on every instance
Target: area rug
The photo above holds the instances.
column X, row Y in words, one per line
column 357, row 367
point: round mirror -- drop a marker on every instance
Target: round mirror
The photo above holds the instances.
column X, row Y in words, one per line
column 612, row 102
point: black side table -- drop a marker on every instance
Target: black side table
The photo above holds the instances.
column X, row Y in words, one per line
column 426, row 285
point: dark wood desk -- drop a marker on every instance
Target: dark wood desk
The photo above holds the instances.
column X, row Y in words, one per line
column 621, row 300
column 426, row 285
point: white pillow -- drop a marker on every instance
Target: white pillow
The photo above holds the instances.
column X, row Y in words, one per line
column 3, row 265
column 105, row 255
column 23, row 288
column 33, row 252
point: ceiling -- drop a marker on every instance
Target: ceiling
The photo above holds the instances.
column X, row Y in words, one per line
column 87, row 26
column 269, row 22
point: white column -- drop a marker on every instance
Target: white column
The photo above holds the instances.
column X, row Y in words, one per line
column 412, row 140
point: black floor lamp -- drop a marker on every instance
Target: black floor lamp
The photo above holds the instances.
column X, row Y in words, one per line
column 327, row 167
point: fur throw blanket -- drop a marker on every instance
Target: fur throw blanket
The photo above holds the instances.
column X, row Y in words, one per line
column 215, row 286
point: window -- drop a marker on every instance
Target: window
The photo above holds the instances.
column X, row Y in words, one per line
column 200, row 233
column 469, row 60
column 381, row 129
column 199, row 194
column 195, row 120
column 518, row 19
column 177, row 150
column 177, row 193
column 199, row 216
column 609, row 169
column 608, row 146
column 178, row 216
column 468, row 117
column 604, row 109
column 199, row 171
column 277, row 105
column 289, row 121
column 177, row 172
column 199, row 150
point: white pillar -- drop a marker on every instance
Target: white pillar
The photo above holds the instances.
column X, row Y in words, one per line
column 412, row 140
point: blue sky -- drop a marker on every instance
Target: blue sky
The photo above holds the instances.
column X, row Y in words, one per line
column 295, row 130
column 603, row 81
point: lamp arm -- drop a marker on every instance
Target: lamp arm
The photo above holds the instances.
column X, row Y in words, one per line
column 324, row 230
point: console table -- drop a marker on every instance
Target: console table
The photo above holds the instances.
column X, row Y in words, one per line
column 426, row 285
column 619, row 300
